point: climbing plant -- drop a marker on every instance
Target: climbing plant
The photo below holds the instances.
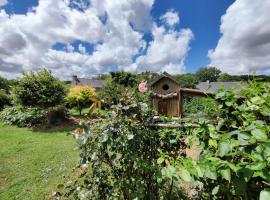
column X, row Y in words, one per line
column 234, row 160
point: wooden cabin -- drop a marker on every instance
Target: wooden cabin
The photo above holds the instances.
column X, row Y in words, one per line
column 167, row 95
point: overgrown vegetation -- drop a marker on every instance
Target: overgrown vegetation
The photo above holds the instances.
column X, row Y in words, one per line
column 198, row 106
column 23, row 116
column 126, row 157
column 5, row 99
column 37, row 98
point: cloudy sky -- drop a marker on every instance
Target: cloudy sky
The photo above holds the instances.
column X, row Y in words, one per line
column 89, row 37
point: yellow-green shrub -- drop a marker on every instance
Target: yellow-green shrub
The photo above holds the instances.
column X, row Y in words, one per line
column 80, row 97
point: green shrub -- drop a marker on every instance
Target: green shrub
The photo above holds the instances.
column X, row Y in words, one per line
column 4, row 99
column 23, row 116
column 112, row 93
column 39, row 89
column 57, row 114
column 198, row 105
column 32, row 116
column 122, row 153
column 99, row 113
column 126, row 157
column 235, row 146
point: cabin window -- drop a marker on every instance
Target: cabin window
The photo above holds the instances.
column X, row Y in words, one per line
column 165, row 87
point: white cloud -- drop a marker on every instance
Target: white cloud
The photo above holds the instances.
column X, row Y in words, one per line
column 245, row 42
column 82, row 49
column 3, row 2
column 69, row 48
column 114, row 29
column 171, row 18
column 167, row 51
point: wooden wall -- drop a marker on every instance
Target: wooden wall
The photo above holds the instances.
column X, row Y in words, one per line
column 170, row 106
column 158, row 86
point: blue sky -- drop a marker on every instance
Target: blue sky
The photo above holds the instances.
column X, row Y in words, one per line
column 88, row 37
column 203, row 18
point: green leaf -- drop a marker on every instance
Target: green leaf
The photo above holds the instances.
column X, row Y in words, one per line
column 259, row 134
column 170, row 171
column 160, row 160
column 265, row 194
column 185, row 175
column 213, row 143
column 257, row 100
column 210, row 174
column 257, row 166
column 224, row 149
column 199, row 171
column 215, row 190
column 226, row 174
column 246, row 173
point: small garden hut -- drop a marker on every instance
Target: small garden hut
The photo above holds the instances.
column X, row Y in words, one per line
column 167, row 95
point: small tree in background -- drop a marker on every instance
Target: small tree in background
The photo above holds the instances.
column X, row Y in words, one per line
column 187, row 80
column 4, row 99
column 125, row 78
column 208, row 74
column 39, row 89
column 80, row 97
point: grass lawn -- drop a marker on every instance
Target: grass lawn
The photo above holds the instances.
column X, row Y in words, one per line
column 32, row 164
column 75, row 112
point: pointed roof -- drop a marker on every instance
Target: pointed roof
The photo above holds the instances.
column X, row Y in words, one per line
column 163, row 75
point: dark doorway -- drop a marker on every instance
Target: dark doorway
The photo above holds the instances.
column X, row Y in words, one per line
column 162, row 107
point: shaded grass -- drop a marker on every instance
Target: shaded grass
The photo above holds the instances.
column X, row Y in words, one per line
column 75, row 112
column 32, row 164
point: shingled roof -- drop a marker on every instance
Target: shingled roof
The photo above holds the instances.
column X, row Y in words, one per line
column 212, row 87
column 84, row 81
column 163, row 75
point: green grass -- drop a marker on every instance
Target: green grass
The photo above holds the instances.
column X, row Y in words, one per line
column 75, row 112
column 32, row 164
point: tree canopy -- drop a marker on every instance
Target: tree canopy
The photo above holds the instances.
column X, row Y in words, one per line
column 39, row 89
column 208, row 74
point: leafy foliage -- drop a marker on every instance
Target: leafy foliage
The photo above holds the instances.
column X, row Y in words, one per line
column 198, row 105
column 112, row 93
column 187, row 80
column 125, row 156
column 23, row 116
column 39, row 89
column 56, row 114
column 125, row 78
column 208, row 74
column 122, row 153
column 5, row 99
column 4, row 84
column 235, row 147
column 80, row 97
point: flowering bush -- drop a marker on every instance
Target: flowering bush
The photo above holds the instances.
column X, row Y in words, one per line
column 143, row 87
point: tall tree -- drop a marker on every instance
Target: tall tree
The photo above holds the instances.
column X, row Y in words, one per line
column 208, row 74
